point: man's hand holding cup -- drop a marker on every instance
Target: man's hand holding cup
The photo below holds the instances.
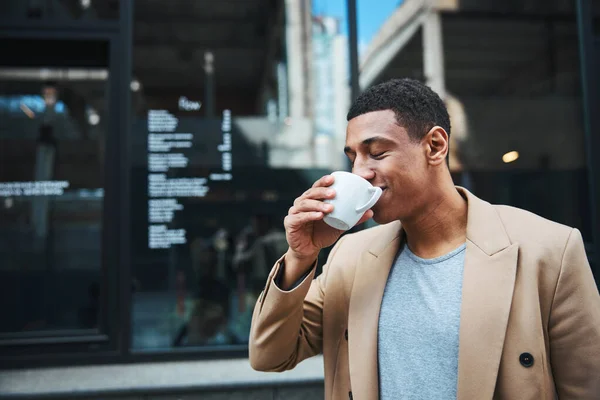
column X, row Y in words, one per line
column 334, row 204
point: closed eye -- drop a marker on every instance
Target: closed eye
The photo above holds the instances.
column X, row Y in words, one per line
column 377, row 155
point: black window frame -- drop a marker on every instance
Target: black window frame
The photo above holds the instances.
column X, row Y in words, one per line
column 110, row 342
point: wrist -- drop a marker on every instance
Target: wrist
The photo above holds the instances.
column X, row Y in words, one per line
column 295, row 258
column 294, row 268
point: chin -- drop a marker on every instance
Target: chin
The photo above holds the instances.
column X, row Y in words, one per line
column 384, row 214
column 381, row 219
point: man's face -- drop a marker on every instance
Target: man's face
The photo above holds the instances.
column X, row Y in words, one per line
column 382, row 152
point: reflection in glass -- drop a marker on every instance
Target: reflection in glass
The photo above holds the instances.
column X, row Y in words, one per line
column 237, row 112
column 59, row 10
column 51, row 194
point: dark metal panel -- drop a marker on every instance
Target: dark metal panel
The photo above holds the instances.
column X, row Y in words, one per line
column 122, row 106
column 353, row 48
column 78, row 26
column 59, row 338
column 590, row 81
column 515, row 16
column 38, row 33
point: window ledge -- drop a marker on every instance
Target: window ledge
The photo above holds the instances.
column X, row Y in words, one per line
column 151, row 378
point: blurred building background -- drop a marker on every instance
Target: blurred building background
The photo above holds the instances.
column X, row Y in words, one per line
column 149, row 150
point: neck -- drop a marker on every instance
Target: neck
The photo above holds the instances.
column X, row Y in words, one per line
column 440, row 227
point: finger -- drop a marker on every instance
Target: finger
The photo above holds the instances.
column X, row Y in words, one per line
column 324, row 181
column 297, row 220
column 319, row 193
column 366, row 216
column 309, row 205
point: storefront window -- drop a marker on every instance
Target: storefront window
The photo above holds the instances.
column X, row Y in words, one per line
column 510, row 76
column 237, row 111
column 237, row 108
column 52, row 127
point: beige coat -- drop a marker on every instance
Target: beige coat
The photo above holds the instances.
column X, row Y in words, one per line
column 527, row 288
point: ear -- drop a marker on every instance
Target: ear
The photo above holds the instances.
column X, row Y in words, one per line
column 436, row 143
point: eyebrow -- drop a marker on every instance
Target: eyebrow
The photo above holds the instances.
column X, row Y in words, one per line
column 368, row 142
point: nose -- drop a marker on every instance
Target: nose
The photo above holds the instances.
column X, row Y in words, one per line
column 362, row 171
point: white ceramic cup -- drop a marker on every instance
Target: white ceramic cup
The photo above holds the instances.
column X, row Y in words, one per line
column 353, row 197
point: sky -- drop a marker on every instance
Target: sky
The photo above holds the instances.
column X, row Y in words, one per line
column 370, row 15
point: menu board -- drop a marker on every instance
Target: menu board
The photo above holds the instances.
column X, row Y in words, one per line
column 169, row 149
column 37, row 188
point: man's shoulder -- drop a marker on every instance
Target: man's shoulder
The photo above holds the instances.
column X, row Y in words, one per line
column 526, row 227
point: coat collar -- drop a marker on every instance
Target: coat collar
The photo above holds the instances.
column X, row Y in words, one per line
column 488, row 282
column 484, row 228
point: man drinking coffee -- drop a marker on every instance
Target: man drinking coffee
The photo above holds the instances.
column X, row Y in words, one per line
column 449, row 297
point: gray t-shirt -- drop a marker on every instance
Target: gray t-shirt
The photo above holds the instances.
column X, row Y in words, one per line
column 419, row 325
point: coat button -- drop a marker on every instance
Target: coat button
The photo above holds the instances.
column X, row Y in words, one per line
column 346, row 334
column 526, row 360
column 350, row 395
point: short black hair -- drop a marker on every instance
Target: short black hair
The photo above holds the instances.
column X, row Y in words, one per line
column 417, row 107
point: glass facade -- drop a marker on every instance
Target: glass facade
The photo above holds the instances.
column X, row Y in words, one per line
column 52, row 128
column 147, row 162
column 233, row 119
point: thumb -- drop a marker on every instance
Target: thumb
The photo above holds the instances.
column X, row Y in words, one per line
column 366, row 216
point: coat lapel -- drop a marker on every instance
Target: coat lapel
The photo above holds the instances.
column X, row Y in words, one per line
column 365, row 302
column 488, row 284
